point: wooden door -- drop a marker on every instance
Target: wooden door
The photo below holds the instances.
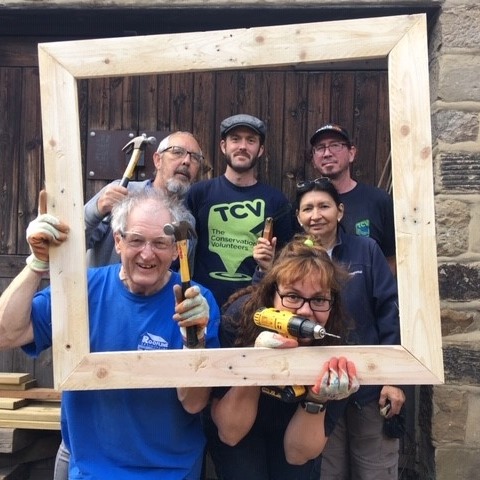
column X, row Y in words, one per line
column 292, row 103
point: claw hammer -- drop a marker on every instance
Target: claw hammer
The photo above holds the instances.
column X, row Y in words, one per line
column 136, row 146
column 181, row 230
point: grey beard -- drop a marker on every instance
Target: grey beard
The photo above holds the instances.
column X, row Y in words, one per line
column 176, row 187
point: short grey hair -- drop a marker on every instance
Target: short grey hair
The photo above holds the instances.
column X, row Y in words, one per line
column 122, row 210
column 165, row 143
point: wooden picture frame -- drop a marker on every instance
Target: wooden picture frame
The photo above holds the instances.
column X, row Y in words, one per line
column 400, row 39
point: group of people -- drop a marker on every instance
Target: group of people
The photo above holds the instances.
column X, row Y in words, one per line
column 332, row 274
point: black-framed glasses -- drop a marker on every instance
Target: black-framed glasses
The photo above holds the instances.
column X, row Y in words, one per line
column 317, row 304
column 136, row 241
column 334, row 147
column 305, row 185
column 180, row 153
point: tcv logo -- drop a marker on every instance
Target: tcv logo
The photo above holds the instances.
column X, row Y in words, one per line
column 233, row 230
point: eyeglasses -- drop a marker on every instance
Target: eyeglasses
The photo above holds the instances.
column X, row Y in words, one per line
column 333, row 147
column 306, row 185
column 138, row 242
column 317, row 304
column 180, row 153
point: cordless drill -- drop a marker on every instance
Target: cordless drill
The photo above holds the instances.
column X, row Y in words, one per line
column 292, row 326
column 289, row 325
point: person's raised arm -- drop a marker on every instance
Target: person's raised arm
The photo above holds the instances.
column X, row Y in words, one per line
column 305, row 436
column 192, row 311
column 16, row 301
column 99, row 208
column 234, row 414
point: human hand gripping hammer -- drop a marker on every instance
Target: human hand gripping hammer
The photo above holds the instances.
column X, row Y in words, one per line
column 181, row 232
column 136, row 145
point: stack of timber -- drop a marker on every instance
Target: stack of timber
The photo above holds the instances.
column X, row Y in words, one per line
column 29, row 428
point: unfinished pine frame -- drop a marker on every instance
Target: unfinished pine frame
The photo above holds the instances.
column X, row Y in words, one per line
column 402, row 40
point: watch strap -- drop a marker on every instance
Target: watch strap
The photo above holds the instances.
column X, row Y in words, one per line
column 313, row 407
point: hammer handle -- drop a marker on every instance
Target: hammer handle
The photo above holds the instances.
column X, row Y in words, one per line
column 268, row 229
column 182, row 247
column 129, row 171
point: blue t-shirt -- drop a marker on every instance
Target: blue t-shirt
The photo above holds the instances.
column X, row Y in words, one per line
column 128, row 434
column 229, row 219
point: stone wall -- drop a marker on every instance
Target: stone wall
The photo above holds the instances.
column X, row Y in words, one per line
column 455, row 95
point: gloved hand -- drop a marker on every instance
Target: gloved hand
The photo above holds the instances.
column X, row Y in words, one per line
column 274, row 340
column 41, row 233
column 337, row 380
column 191, row 311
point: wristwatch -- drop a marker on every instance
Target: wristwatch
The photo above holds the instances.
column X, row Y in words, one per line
column 312, row 407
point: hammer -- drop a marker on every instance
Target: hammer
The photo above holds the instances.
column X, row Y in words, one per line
column 136, row 145
column 180, row 230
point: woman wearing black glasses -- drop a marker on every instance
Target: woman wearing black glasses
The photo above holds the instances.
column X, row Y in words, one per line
column 358, row 447
column 266, row 433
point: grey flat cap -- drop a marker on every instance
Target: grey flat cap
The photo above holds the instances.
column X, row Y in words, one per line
column 243, row 120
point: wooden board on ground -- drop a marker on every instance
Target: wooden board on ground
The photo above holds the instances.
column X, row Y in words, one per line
column 44, row 394
column 37, row 415
column 12, row 378
column 20, row 387
column 12, row 403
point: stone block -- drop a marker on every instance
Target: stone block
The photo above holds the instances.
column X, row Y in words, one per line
column 455, row 322
column 472, row 434
column 461, row 361
column 452, row 223
column 458, row 79
column 475, row 228
column 454, row 463
column 454, row 126
column 450, row 414
column 459, row 171
column 459, row 282
column 459, row 27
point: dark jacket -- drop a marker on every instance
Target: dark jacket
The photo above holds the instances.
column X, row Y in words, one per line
column 370, row 298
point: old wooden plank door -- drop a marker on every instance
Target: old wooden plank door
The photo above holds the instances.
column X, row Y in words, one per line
column 292, row 103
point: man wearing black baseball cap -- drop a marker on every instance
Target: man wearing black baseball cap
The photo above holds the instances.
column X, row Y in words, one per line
column 368, row 209
column 230, row 210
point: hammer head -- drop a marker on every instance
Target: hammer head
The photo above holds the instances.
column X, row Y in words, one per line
column 139, row 142
column 180, row 230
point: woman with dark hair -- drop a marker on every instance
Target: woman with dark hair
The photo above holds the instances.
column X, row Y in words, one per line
column 260, row 437
column 358, row 448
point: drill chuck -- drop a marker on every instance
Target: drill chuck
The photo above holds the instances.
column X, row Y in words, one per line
column 288, row 324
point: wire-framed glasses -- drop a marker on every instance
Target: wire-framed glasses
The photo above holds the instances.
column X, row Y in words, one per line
column 317, row 304
column 136, row 241
column 334, row 147
column 180, row 153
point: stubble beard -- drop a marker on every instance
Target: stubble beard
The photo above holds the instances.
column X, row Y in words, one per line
column 241, row 168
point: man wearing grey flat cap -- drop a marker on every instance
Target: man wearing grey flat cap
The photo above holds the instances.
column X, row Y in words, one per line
column 230, row 210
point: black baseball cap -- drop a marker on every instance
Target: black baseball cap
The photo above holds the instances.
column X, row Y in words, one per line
column 242, row 120
column 330, row 128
